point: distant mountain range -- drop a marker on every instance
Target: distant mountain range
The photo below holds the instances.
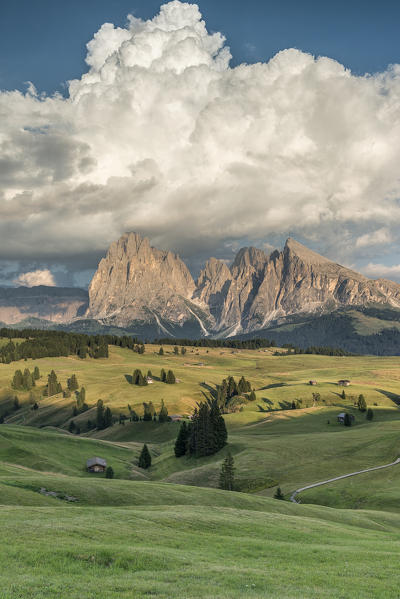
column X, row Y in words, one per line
column 151, row 293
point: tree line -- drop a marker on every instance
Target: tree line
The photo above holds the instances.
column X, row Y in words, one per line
column 44, row 344
column 223, row 343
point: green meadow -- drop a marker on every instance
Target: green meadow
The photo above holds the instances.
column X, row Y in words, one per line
column 168, row 532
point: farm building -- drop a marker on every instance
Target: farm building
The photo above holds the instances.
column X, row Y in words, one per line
column 175, row 417
column 149, row 380
column 96, row 465
column 344, row 382
column 341, row 417
column 312, row 382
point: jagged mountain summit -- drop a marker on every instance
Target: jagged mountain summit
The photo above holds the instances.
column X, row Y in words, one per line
column 141, row 286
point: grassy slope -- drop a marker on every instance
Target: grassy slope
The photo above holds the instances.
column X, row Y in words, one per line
column 164, row 541
column 289, row 447
column 131, row 538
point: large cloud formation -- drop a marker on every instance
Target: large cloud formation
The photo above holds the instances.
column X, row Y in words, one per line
column 162, row 136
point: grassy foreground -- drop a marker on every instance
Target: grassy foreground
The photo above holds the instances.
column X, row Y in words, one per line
column 165, row 545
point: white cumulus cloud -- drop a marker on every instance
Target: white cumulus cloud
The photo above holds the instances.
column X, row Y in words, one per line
column 36, row 277
column 378, row 237
column 162, row 136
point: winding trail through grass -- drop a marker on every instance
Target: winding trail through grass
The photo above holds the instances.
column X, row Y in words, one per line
column 331, row 480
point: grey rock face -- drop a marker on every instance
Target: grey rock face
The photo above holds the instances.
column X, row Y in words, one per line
column 136, row 282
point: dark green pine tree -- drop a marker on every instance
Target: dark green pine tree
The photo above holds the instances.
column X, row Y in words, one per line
column 170, row 378
column 252, row 396
column 36, row 373
column 16, row 404
column 144, row 458
column 278, row 494
column 361, row 403
column 181, row 442
column 218, row 427
column 227, row 474
column 109, row 472
column 161, row 351
column 370, row 414
column 28, row 381
column 148, row 412
column 18, row 380
column 232, row 387
column 136, row 377
column 82, row 350
column 163, row 413
column 73, row 383
column 71, row 426
column 176, row 350
column 343, row 396
column 52, row 384
column 242, row 385
column 163, row 375
column 100, row 415
column 108, row 421
column 347, row 419
column 183, row 351
column 81, row 399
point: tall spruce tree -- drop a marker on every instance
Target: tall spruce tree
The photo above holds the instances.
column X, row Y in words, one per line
column 18, row 380
column 370, row 414
column 73, row 383
column 181, row 443
column 161, row 351
column 100, row 415
column 361, row 403
column 163, row 413
column 36, row 373
column 347, row 419
column 170, row 378
column 163, row 375
column 108, row 421
column 144, row 458
column 227, row 474
column 278, row 494
column 52, row 384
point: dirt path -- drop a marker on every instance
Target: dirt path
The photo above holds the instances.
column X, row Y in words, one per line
column 331, row 480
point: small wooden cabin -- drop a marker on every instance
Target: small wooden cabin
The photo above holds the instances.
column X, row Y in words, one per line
column 344, row 382
column 312, row 382
column 342, row 416
column 96, row 465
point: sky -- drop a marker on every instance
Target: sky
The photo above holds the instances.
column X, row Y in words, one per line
column 205, row 126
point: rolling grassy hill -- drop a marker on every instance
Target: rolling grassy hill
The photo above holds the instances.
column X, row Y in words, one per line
column 142, row 535
column 142, row 539
column 271, row 444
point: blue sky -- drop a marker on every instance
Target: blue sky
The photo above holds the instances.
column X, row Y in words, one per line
column 44, row 40
column 158, row 134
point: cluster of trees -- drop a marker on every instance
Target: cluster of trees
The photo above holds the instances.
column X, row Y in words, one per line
column 53, row 385
column 26, row 380
column 167, row 377
column 205, row 435
column 42, row 344
column 317, row 350
column 81, row 405
column 223, row 343
column 229, row 394
column 104, row 417
column 138, row 378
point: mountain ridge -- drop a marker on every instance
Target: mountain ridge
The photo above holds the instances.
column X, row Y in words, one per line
column 137, row 286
